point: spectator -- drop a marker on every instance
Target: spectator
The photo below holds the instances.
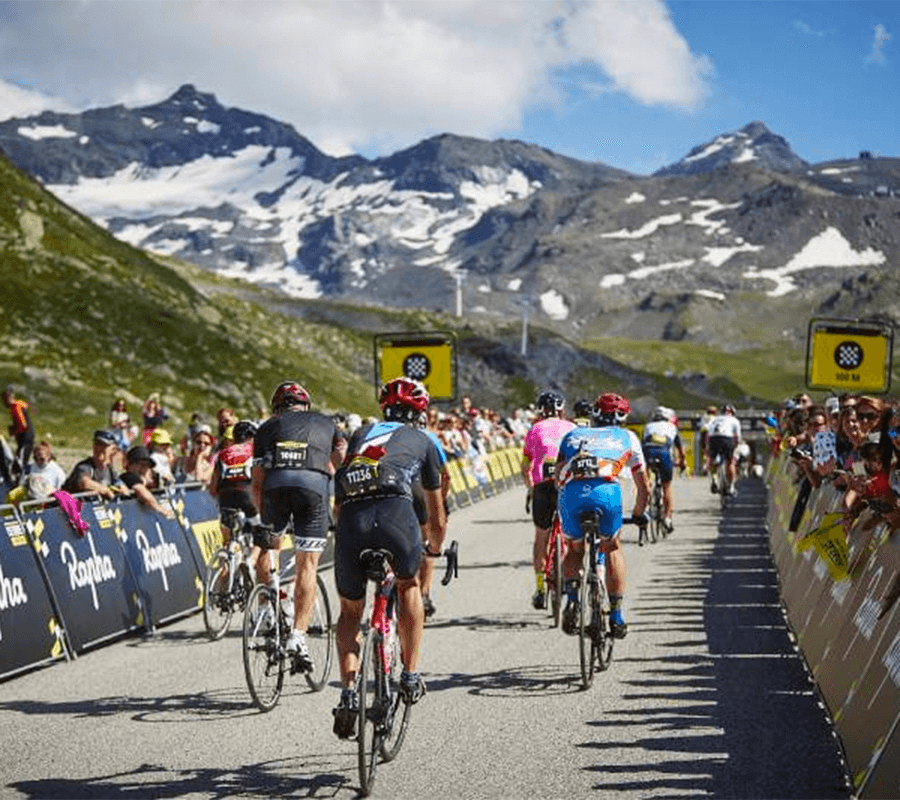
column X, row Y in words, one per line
column 163, row 455
column 226, row 419
column 153, row 416
column 194, row 427
column 873, row 486
column 120, row 424
column 21, row 427
column 95, row 474
column 45, row 476
column 7, row 458
column 197, row 464
column 138, row 478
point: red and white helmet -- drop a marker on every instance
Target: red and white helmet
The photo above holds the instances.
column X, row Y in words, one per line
column 611, row 409
column 403, row 400
column 287, row 394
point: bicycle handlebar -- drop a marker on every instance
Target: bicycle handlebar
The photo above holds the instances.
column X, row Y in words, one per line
column 452, row 555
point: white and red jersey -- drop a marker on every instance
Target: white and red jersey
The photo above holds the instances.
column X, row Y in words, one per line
column 542, row 446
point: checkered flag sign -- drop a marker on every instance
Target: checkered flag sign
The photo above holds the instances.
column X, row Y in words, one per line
column 848, row 355
column 416, row 366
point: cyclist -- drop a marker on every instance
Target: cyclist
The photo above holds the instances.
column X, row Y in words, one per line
column 232, row 478
column 703, row 426
column 374, row 490
column 588, row 466
column 658, row 438
column 583, row 410
column 538, row 466
column 295, row 452
column 724, row 436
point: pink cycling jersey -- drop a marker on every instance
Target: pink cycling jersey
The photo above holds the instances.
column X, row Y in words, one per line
column 542, row 443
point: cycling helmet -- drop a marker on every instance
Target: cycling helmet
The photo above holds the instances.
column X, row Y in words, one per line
column 583, row 408
column 661, row 414
column 611, row 409
column 287, row 394
column 550, row 403
column 244, row 431
column 404, row 400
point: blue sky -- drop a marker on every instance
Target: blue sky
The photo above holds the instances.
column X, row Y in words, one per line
column 631, row 83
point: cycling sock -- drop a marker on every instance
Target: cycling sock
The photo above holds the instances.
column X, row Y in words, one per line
column 572, row 588
column 615, row 602
column 539, row 581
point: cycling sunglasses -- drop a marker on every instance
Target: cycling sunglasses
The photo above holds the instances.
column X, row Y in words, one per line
column 893, row 433
column 867, row 416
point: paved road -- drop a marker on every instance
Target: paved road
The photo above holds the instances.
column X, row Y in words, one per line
column 706, row 696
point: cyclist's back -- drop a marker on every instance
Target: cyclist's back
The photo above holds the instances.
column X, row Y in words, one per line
column 658, row 439
column 724, row 436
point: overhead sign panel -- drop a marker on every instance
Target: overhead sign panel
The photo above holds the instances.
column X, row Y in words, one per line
column 429, row 357
column 849, row 355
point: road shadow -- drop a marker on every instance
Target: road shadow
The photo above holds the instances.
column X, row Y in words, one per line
column 730, row 708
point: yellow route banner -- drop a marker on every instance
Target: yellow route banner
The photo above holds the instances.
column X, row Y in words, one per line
column 429, row 357
column 849, row 356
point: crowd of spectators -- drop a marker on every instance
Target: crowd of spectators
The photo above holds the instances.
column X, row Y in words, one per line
column 851, row 441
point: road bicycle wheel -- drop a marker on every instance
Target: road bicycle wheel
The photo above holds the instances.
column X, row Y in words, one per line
column 320, row 638
column 217, row 603
column 397, row 720
column 657, row 529
column 603, row 640
column 723, row 485
column 587, row 596
column 555, row 589
column 368, row 730
column 263, row 648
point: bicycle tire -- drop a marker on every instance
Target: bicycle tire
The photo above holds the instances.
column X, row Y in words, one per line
column 368, row 738
column 399, row 712
column 586, row 595
column 603, row 640
column 320, row 638
column 555, row 588
column 723, row 484
column 217, row 601
column 263, row 649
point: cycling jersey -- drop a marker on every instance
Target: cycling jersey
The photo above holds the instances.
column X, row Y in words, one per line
column 233, row 473
column 590, row 461
column 542, row 446
column 375, row 485
column 294, row 448
column 724, row 434
column 657, row 440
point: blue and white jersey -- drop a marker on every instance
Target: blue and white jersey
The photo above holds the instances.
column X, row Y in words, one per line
column 598, row 453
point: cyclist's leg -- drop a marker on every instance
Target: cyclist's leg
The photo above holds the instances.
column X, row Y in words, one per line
column 543, row 504
column 609, row 499
column 277, row 514
column 350, row 580
column 426, row 578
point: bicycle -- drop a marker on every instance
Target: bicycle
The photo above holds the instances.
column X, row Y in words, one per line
column 382, row 722
column 595, row 639
column 228, row 582
column 656, row 528
column 721, row 470
column 553, row 569
column 268, row 621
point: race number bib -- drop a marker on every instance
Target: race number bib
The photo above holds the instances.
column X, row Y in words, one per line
column 291, row 455
column 548, row 470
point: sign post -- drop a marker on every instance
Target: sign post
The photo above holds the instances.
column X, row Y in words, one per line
column 849, row 355
column 428, row 357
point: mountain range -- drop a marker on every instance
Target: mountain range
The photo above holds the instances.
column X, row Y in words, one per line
column 502, row 228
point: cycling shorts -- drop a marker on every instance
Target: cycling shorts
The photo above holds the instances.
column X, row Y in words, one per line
column 384, row 523
column 543, row 504
column 721, row 446
column 661, row 452
column 307, row 508
column 240, row 499
column 587, row 495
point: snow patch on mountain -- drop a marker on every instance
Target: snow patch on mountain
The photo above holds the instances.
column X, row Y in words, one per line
column 827, row 249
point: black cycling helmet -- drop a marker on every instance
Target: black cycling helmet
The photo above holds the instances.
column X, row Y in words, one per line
column 583, row 408
column 550, row 403
column 244, row 431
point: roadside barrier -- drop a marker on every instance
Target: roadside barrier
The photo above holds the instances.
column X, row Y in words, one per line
column 840, row 592
column 63, row 592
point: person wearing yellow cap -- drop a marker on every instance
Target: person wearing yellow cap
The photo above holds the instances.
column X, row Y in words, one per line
column 163, row 455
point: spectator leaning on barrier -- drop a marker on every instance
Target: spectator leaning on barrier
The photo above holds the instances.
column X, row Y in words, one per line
column 95, row 473
column 163, row 455
column 138, row 478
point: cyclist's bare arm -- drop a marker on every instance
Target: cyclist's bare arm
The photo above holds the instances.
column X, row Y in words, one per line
column 436, row 525
column 256, row 486
column 642, row 485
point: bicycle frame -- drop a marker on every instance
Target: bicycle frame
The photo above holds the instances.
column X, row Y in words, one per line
column 553, row 568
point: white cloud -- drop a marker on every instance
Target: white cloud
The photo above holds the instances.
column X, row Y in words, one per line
column 18, row 102
column 353, row 76
column 880, row 37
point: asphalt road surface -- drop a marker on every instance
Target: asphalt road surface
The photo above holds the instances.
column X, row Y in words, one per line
column 706, row 697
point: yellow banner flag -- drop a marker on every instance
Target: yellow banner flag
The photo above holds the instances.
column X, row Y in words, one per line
column 830, row 541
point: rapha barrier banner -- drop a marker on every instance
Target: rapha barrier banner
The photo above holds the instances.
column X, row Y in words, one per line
column 30, row 632
column 161, row 561
column 88, row 574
